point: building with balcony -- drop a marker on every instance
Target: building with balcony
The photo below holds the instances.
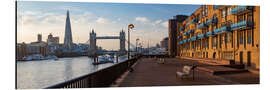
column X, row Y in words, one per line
column 221, row 33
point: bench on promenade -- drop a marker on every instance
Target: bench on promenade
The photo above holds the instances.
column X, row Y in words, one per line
column 185, row 72
column 161, row 60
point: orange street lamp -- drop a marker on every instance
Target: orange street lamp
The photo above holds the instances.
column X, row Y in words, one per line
column 130, row 26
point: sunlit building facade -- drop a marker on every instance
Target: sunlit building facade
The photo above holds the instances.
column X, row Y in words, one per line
column 217, row 32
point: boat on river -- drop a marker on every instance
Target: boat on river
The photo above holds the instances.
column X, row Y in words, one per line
column 104, row 59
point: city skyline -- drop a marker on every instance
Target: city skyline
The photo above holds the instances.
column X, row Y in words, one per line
column 105, row 18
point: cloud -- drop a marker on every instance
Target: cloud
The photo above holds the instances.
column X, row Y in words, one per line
column 156, row 22
column 118, row 19
column 102, row 20
column 165, row 24
column 141, row 19
column 54, row 19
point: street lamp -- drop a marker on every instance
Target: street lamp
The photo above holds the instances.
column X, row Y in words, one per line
column 130, row 26
column 137, row 44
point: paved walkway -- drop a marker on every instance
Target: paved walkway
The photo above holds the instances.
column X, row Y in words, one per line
column 149, row 73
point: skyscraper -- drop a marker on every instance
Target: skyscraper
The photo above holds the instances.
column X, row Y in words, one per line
column 68, row 34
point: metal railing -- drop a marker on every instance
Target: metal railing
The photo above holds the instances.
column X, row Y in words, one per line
column 101, row 78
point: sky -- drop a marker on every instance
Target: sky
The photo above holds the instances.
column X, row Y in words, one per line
column 106, row 19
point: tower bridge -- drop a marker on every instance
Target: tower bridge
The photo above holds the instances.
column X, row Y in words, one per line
column 93, row 52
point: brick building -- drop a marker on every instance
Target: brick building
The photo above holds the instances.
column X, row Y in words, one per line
column 218, row 32
column 172, row 31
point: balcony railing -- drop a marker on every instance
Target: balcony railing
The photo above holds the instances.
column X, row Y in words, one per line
column 210, row 33
column 194, row 21
column 200, row 36
column 242, row 24
column 179, row 37
column 179, row 43
column 188, row 32
column 222, row 29
column 193, row 38
column 202, row 25
column 240, row 9
column 182, row 29
column 101, row 78
column 209, row 21
column 215, row 20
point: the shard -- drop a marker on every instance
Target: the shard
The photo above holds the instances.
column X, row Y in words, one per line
column 68, row 34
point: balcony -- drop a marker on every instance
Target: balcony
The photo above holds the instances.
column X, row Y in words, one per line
column 241, row 9
column 182, row 29
column 188, row 32
column 222, row 30
column 180, row 42
column 202, row 25
column 193, row 38
column 188, row 40
column 214, row 20
column 241, row 25
column 219, row 6
column 209, row 21
column 194, row 21
column 200, row 36
column 179, row 37
column 210, row 33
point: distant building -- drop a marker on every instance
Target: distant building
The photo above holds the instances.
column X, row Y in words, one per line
column 21, row 50
column 39, row 38
column 172, row 31
column 68, row 34
column 38, row 48
column 164, row 43
column 52, row 39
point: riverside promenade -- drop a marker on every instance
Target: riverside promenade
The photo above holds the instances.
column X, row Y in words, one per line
column 147, row 72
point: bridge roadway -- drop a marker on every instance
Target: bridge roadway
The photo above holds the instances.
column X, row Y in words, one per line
column 147, row 72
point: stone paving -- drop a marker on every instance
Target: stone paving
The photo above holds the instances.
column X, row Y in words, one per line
column 147, row 72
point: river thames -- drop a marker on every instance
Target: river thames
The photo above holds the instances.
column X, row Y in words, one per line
column 44, row 73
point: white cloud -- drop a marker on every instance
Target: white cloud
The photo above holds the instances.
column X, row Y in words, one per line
column 102, row 20
column 118, row 19
column 165, row 24
column 141, row 19
column 54, row 19
column 156, row 22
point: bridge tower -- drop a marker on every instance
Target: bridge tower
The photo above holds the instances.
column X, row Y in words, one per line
column 92, row 44
column 122, row 38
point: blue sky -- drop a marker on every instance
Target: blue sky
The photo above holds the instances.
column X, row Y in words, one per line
column 150, row 20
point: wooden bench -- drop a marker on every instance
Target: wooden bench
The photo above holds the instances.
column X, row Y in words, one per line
column 185, row 72
column 161, row 60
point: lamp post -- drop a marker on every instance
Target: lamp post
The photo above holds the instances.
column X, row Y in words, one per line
column 137, row 44
column 130, row 26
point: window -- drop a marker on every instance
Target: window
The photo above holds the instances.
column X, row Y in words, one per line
column 223, row 11
column 207, row 41
column 214, row 41
column 203, row 11
column 240, row 18
column 241, row 41
column 206, row 10
column 229, row 11
column 249, row 38
column 229, row 37
column 198, row 18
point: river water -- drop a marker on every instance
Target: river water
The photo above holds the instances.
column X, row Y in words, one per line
column 44, row 73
